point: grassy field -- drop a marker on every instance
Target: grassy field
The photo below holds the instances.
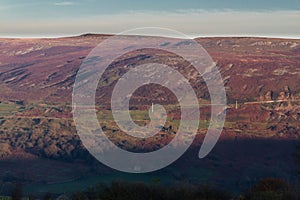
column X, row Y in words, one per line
column 7, row 109
column 5, row 198
column 173, row 176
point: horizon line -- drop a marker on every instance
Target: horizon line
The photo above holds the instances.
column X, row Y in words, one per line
column 170, row 36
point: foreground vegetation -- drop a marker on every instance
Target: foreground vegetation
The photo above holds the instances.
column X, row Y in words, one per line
column 265, row 189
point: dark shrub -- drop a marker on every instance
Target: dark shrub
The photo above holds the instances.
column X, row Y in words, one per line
column 16, row 193
column 270, row 189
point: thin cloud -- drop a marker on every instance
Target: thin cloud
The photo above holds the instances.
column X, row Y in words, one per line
column 65, row 3
column 191, row 22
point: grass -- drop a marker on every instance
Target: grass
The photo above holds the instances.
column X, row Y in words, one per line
column 200, row 174
column 7, row 109
column 141, row 117
column 84, row 183
column 5, row 198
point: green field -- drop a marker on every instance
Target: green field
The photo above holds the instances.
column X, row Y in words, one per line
column 7, row 109
column 202, row 175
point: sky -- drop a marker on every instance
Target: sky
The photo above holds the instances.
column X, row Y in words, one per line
column 38, row 18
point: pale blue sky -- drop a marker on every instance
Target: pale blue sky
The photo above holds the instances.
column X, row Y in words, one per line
column 192, row 17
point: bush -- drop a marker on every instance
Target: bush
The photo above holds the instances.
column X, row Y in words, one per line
column 138, row 191
column 270, row 189
column 16, row 193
